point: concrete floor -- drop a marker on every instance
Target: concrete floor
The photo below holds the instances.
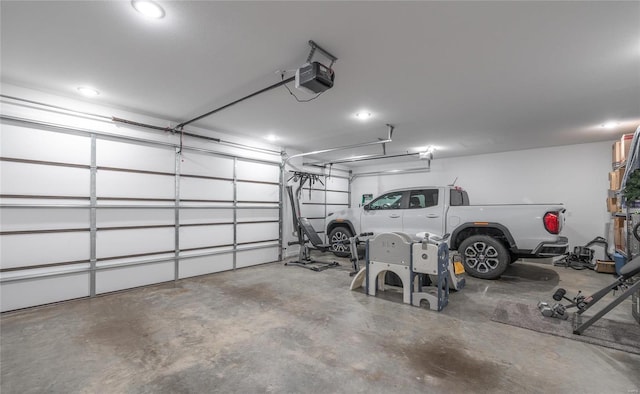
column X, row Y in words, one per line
column 289, row 330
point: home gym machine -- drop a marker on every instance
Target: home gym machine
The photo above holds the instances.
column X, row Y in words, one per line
column 304, row 230
column 625, row 283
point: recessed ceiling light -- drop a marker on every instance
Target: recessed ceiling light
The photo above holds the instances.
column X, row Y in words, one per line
column 87, row 91
column 148, row 8
column 363, row 115
column 612, row 124
column 271, row 137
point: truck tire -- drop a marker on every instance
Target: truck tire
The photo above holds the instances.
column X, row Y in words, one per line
column 484, row 256
column 337, row 236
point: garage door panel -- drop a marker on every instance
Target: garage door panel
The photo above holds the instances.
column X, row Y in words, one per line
column 204, row 236
column 115, row 279
column 35, row 249
column 132, row 185
column 33, row 144
column 337, row 184
column 33, row 179
column 252, row 171
column 258, row 256
column 134, row 217
column 193, row 163
column 134, row 156
column 337, row 198
column 258, row 192
column 245, row 215
column 317, row 196
column 23, row 219
column 193, row 216
column 257, row 232
column 113, row 243
column 205, row 189
column 205, row 265
column 32, row 292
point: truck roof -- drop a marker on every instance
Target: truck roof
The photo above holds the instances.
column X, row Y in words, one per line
column 423, row 187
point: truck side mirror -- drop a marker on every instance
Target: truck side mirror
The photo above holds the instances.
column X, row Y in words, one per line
column 366, row 207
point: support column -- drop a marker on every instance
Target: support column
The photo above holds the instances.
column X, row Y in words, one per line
column 235, row 211
column 92, row 218
column 281, row 212
column 176, row 274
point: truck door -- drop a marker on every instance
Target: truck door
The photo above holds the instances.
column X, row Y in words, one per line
column 425, row 212
column 384, row 214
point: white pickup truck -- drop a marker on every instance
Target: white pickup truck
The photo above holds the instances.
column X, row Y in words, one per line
column 488, row 237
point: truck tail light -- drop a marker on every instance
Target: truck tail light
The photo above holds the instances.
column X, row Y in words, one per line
column 552, row 222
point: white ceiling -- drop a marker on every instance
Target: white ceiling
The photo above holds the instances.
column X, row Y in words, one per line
column 466, row 77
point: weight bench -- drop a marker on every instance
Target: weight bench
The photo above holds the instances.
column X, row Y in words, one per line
column 304, row 257
column 628, row 271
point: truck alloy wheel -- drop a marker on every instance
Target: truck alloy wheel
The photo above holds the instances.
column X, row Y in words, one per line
column 484, row 257
column 337, row 237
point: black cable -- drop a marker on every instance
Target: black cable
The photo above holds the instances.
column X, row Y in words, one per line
column 302, row 101
column 296, row 97
column 600, row 240
column 578, row 264
column 572, row 261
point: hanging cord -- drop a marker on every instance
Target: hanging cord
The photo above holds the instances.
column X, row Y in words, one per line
column 296, row 97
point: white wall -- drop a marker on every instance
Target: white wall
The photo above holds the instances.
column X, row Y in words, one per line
column 576, row 175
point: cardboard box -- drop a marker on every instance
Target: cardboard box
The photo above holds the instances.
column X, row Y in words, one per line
column 625, row 145
column 612, row 204
column 612, row 182
column 616, row 152
column 615, row 179
column 618, row 223
column 605, row 267
column 619, row 233
column 620, row 238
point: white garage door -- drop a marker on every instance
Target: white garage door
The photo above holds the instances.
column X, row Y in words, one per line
column 84, row 213
column 320, row 199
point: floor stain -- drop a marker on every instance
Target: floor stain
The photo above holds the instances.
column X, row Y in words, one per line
column 533, row 274
column 259, row 292
column 371, row 376
column 127, row 333
column 447, row 360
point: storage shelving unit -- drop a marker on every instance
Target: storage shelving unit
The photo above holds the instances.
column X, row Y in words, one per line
column 631, row 215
